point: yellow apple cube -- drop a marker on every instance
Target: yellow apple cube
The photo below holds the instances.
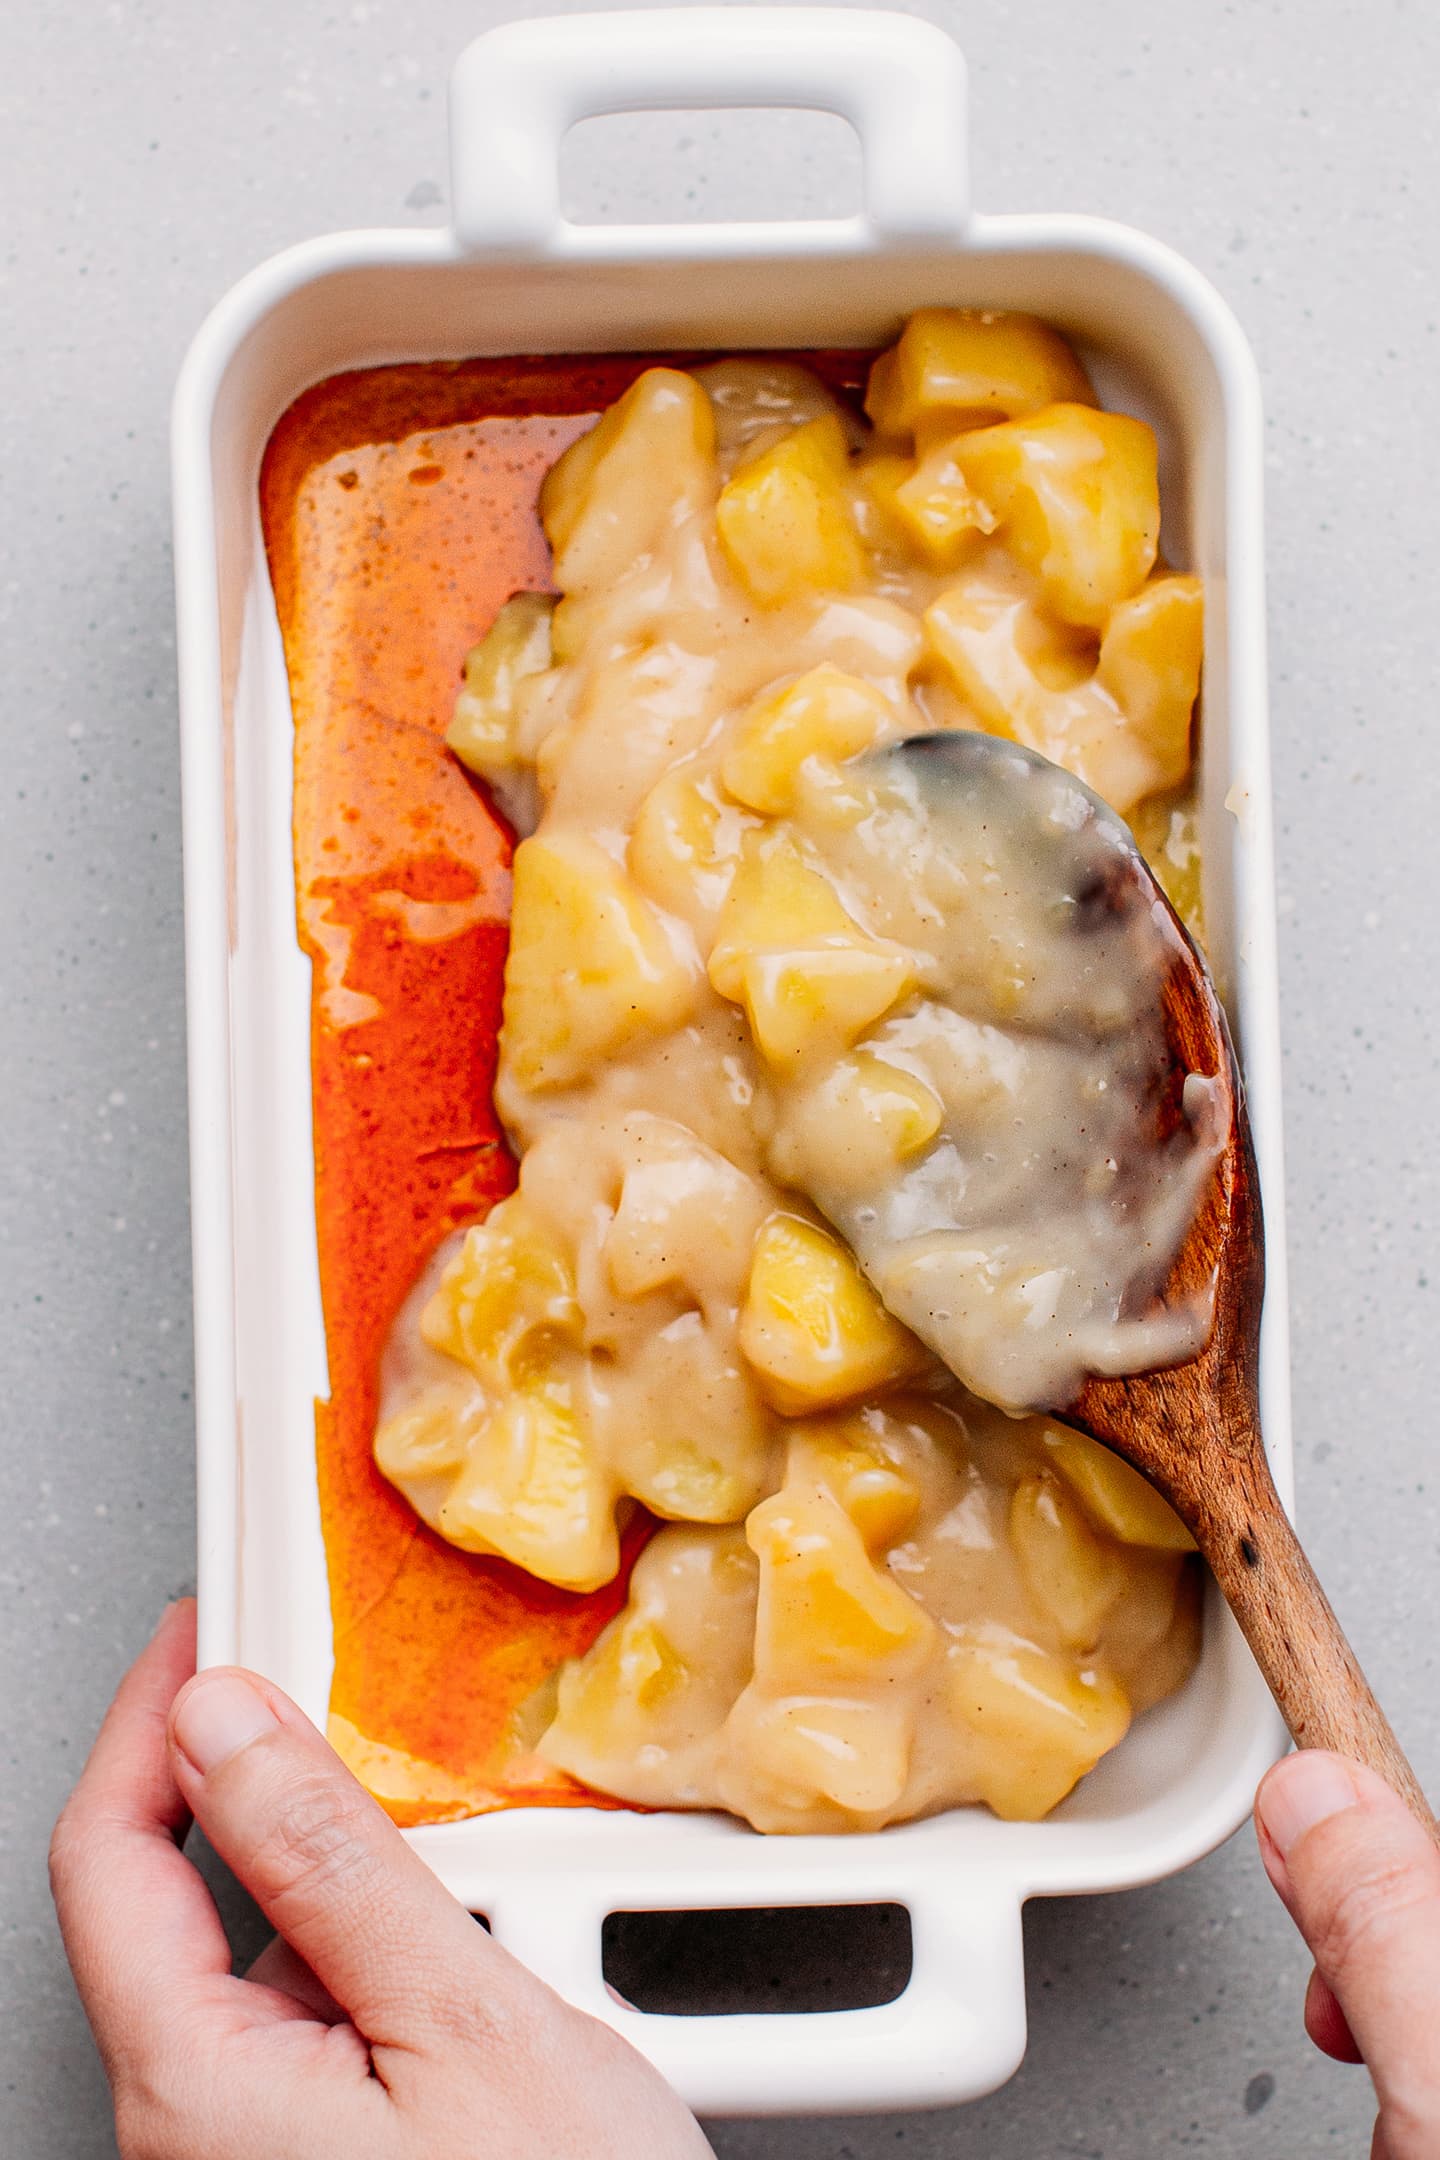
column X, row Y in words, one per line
column 826, row 714
column 638, row 1663
column 685, row 846
column 510, row 1283
column 610, row 1700
column 854, row 1124
column 429, row 1438
column 827, row 1614
column 881, row 475
column 590, row 964
column 880, row 1497
column 878, row 1112
column 776, row 902
column 812, row 1328
column 797, row 1002
column 1077, row 498
column 1038, row 1723
column 1123, row 1504
column 1167, row 831
column 686, row 1217
column 683, row 1484
column 532, row 1491
column 1073, row 1576
column 516, row 645
column 808, row 1747
column 1022, row 677
column 974, row 634
column 808, row 976
column 667, row 1669
column 1150, row 659
column 646, row 463
column 967, row 367
column 786, row 522
column 938, row 511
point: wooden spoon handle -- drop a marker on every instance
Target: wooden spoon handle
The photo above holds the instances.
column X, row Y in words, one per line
column 1299, row 1645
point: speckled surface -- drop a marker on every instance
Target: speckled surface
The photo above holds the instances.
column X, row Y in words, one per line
column 150, row 151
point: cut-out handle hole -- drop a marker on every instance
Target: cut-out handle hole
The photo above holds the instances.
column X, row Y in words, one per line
column 784, row 1960
column 654, row 168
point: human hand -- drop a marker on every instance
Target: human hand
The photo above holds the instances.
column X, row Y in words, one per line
column 1360, row 1877
column 382, row 2023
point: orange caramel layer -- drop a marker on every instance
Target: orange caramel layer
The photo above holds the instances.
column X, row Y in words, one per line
column 399, row 512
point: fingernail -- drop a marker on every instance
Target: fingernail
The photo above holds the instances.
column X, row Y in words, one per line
column 1304, row 1790
column 218, row 1717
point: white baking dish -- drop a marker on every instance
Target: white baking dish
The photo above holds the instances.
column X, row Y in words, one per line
column 512, row 276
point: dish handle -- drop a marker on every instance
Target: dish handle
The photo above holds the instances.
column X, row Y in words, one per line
column 956, row 2031
column 517, row 90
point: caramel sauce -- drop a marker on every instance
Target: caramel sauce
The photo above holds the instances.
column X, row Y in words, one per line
column 399, row 513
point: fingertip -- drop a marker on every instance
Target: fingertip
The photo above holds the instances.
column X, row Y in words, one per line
column 1302, row 1791
column 216, row 1714
column 1326, row 2022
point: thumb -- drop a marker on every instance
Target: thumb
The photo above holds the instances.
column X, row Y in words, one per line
column 325, row 1863
column 1361, row 1879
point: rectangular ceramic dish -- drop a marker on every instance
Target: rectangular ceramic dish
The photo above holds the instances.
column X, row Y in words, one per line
column 512, row 276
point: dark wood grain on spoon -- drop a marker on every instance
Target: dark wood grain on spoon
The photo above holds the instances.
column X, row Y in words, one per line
column 1194, row 1431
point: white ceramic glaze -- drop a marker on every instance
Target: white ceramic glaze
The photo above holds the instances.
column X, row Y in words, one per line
column 514, row 277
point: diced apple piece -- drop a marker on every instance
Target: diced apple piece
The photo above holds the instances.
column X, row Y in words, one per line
column 685, row 1485
column 648, row 462
column 427, row 1439
column 1041, row 1722
column 511, row 1280
column 809, row 977
column 1073, row 1575
column 930, row 505
column 686, row 1216
column 843, row 1456
column 516, row 645
column 776, row 902
column 609, row 1700
column 532, row 1491
column 811, row 1326
column 590, row 966
column 881, row 475
column 1152, row 1632
column 679, row 1415
column 808, row 1747
column 823, row 997
column 826, row 714
column 1117, row 1498
column 1167, row 832
column 666, row 1671
column 828, row 1616
column 968, row 367
column 1023, row 679
column 1078, row 503
column 647, row 1666
column 857, row 1123
column 685, row 846
column 1150, row 659
column 785, row 521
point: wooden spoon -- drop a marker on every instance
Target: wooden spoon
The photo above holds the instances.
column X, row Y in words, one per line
column 1194, row 1430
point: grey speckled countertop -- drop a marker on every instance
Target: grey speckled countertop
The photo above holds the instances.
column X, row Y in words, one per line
column 151, row 151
